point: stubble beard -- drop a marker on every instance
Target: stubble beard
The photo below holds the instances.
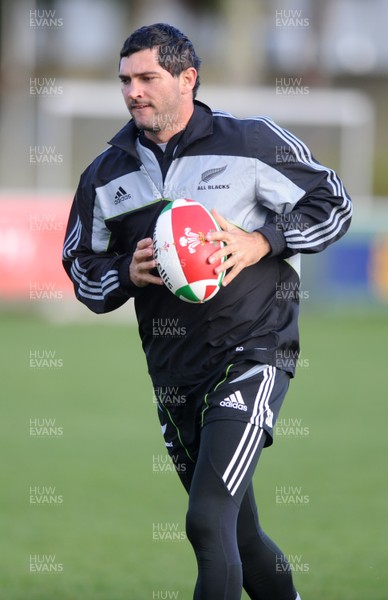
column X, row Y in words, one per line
column 159, row 123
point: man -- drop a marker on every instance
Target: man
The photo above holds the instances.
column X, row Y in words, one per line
column 220, row 377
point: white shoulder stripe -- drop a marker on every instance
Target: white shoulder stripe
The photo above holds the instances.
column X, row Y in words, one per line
column 304, row 156
column 344, row 211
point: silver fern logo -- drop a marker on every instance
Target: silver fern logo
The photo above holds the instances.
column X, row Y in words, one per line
column 209, row 175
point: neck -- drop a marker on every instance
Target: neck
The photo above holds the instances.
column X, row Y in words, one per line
column 171, row 128
column 161, row 137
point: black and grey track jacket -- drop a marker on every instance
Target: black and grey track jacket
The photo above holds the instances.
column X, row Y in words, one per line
column 258, row 176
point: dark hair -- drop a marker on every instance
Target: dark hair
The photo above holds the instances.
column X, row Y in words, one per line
column 175, row 51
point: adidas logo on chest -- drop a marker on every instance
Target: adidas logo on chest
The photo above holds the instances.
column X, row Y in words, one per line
column 121, row 195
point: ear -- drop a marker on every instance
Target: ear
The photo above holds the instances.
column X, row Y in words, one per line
column 188, row 78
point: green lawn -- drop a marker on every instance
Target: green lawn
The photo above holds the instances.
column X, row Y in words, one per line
column 109, row 491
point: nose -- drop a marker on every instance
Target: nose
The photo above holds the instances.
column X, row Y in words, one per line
column 133, row 90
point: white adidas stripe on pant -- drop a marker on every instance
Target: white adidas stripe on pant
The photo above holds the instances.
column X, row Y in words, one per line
column 252, row 435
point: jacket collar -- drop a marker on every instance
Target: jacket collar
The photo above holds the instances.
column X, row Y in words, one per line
column 199, row 126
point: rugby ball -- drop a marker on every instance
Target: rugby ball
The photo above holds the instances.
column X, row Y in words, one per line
column 181, row 250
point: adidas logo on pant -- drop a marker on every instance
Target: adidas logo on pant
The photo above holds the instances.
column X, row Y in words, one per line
column 234, row 401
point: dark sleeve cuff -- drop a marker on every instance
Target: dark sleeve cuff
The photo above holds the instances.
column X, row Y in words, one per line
column 125, row 282
column 275, row 237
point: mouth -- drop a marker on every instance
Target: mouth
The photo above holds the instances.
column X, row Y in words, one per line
column 139, row 106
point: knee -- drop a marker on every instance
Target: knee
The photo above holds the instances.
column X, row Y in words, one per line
column 200, row 526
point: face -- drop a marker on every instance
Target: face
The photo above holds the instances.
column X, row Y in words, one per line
column 159, row 103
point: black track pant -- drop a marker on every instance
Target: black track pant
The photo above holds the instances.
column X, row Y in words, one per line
column 215, row 433
column 222, row 522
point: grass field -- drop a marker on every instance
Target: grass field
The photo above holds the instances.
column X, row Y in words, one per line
column 85, row 502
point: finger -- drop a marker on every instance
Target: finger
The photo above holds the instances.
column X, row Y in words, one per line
column 217, row 236
column 222, row 253
column 146, row 264
column 225, row 227
column 231, row 275
column 149, row 278
column 232, row 261
column 142, row 276
column 223, row 223
column 144, row 249
column 143, row 263
column 145, row 243
column 146, row 254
